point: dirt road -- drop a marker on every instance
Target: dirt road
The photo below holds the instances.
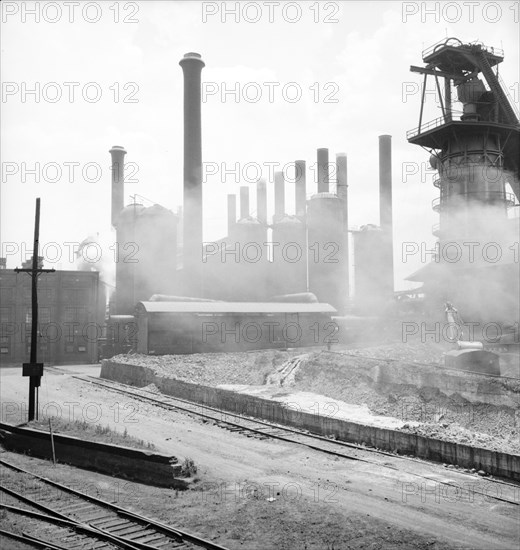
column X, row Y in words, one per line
column 270, row 494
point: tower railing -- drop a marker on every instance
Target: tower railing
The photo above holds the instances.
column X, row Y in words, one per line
column 483, row 196
column 456, row 43
column 425, row 127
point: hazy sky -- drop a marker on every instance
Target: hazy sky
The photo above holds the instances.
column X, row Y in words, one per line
column 307, row 74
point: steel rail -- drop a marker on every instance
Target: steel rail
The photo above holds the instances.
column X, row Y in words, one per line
column 67, row 523
column 333, row 442
column 178, row 534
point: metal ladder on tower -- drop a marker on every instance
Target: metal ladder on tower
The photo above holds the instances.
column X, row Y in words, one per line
column 494, row 84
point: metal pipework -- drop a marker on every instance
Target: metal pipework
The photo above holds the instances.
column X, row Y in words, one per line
column 118, row 181
column 300, row 188
column 261, row 201
column 244, row 202
column 323, row 170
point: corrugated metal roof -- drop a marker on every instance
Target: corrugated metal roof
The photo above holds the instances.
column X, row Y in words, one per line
column 235, row 307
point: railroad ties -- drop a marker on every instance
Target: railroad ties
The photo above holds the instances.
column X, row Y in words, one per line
column 71, row 519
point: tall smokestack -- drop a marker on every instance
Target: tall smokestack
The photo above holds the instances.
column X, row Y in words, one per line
column 232, row 213
column 279, row 195
column 342, row 192
column 118, row 181
column 192, row 65
column 385, row 182
column 244, row 202
column 261, row 201
column 300, row 188
column 323, row 170
column 385, row 207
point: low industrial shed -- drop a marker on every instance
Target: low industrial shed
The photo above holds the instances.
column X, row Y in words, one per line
column 197, row 327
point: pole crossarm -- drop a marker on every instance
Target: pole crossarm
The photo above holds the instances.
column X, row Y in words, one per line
column 32, row 271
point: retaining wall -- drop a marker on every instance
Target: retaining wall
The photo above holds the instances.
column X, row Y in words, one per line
column 474, row 388
column 142, row 466
column 496, row 463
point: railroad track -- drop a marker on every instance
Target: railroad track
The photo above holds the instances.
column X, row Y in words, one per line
column 251, row 427
column 72, row 519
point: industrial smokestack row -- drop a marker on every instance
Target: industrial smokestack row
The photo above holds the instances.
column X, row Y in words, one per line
column 192, row 66
column 118, row 181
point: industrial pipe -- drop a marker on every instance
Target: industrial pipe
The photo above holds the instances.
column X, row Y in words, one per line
column 232, row 212
column 323, row 170
column 279, row 195
column 118, row 181
column 192, row 65
column 261, row 201
column 244, row 202
column 300, row 188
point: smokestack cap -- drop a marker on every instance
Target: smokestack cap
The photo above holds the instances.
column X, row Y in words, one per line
column 117, row 148
column 192, row 56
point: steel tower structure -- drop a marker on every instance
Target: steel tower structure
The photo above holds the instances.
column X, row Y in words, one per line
column 475, row 153
column 474, row 147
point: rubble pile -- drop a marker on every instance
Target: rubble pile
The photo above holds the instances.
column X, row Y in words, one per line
column 349, row 375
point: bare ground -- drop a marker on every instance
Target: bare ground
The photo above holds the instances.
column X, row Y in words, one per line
column 319, row 503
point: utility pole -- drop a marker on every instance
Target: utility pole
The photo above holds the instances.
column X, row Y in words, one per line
column 33, row 369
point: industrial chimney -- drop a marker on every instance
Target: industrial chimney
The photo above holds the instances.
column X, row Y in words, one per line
column 385, row 208
column 300, row 189
column 342, row 193
column 232, row 212
column 118, row 181
column 244, row 202
column 192, row 65
column 323, row 170
column 261, row 201
column 279, row 196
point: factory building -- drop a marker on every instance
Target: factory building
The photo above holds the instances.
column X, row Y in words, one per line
column 200, row 327
column 262, row 256
column 70, row 317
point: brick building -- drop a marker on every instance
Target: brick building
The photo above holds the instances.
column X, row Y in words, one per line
column 71, row 307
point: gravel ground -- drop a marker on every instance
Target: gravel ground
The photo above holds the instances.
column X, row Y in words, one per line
column 348, row 378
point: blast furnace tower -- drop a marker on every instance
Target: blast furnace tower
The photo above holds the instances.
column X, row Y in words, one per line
column 474, row 147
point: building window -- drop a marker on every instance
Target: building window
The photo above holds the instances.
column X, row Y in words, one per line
column 46, row 294
column 78, row 314
column 4, row 314
column 44, row 315
column 6, row 294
